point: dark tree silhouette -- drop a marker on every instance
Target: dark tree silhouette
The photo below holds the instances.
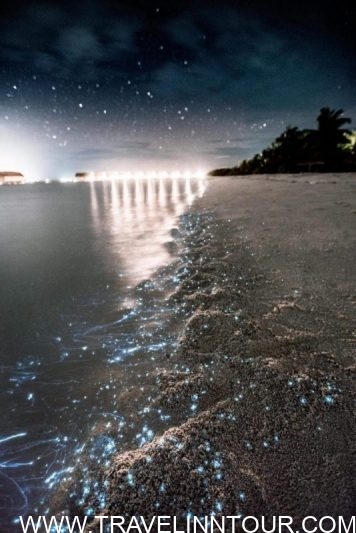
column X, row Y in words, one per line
column 288, row 150
column 332, row 137
column 326, row 149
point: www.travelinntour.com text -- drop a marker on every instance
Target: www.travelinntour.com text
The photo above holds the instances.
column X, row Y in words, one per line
column 192, row 524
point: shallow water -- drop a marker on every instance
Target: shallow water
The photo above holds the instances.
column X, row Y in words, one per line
column 83, row 317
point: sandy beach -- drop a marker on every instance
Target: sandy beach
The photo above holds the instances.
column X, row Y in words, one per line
column 261, row 388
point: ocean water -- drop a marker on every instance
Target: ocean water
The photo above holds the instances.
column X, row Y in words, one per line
column 84, row 276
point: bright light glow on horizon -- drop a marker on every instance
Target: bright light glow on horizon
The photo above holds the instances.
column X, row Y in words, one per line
column 23, row 152
column 20, row 155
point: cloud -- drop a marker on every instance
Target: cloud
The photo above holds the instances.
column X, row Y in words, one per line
column 124, row 148
column 187, row 33
column 69, row 40
column 211, row 54
column 235, row 152
column 77, row 44
column 235, row 57
column 225, row 52
column 90, row 154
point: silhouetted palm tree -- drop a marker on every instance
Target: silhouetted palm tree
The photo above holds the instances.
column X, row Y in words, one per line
column 332, row 137
column 327, row 148
column 285, row 153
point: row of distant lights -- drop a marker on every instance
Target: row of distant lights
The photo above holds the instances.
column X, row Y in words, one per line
column 110, row 176
column 93, row 176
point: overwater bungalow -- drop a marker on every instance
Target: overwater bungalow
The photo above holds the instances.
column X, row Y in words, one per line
column 83, row 176
column 11, row 178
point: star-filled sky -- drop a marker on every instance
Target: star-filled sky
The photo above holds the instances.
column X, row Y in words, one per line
column 134, row 85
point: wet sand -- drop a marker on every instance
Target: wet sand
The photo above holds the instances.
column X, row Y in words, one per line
column 262, row 386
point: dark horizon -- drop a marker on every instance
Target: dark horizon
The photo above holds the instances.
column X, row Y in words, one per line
column 132, row 86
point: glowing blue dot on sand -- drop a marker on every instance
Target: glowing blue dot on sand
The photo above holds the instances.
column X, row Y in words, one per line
column 219, row 506
column 303, row 401
column 130, row 479
column 207, row 446
column 328, row 399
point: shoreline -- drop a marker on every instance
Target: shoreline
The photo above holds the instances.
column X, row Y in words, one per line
column 264, row 377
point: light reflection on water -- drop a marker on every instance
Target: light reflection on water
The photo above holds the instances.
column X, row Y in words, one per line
column 81, row 327
column 137, row 215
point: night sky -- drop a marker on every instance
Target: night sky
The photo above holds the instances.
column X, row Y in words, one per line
column 133, row 85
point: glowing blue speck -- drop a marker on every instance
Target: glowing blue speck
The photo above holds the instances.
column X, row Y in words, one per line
column 328, row 400
column 303, row 401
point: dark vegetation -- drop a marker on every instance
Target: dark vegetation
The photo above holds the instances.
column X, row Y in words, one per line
column 329, row 148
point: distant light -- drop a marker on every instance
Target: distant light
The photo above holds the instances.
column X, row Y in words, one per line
column 175, row 174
